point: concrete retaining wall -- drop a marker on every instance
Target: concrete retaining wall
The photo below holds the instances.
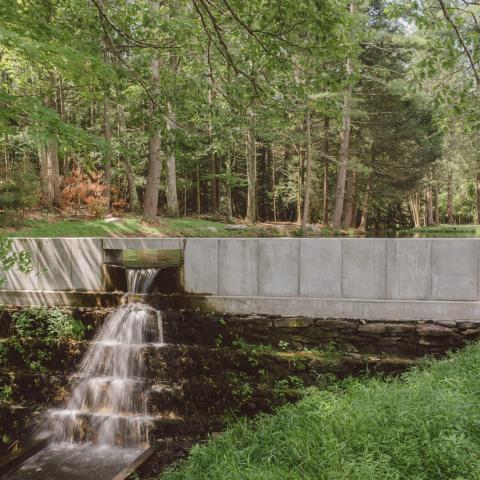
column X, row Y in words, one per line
column 404, row 279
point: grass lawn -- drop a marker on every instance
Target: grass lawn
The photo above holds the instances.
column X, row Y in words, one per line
column 57, row 226
column 424, row 426
column 450, row 229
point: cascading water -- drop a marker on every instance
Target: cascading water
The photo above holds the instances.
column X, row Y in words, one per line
column 108, row 407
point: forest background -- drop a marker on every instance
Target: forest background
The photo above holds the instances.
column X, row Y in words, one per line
column 360, row 115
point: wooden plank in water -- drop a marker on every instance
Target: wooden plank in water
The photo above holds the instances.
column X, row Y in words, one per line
column 133, row 466
column 17, row 459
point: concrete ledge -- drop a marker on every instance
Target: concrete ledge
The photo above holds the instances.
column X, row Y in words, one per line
column 59, row 299
column 401, row 310
column 391, row 310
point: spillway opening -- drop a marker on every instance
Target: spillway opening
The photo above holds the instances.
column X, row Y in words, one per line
column 168, row 264
column 106, row 422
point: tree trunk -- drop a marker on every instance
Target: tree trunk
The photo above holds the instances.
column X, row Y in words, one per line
column 274, row 188
column 229, row 186
column 363, row 222
column 414, row 202
column 308, row 171
column 197, row 190
column 437, row 206
column 344, row 149
column 325, row 171
column 150, row 204
column 251, row 172
column 172, row 199
column 429, row 213
column 478, row 197
column 49, row 166
column 211, row 152
column 107, row 133
column 132, row 190
column 353, row 208
column 348, row 201
column 450, row 217
column 49, row 173
column 342, row 160
column 300, row 174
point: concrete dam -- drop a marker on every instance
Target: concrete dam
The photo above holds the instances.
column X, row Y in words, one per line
column 372, row 279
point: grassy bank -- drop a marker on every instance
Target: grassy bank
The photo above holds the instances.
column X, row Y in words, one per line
column 450, row 229
column 425, row 426
column 128, row 226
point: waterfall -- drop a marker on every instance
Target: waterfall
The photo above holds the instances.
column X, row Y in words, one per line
column 106, row 417
column 108, row 404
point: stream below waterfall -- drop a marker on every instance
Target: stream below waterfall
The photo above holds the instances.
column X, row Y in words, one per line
column 105, row 423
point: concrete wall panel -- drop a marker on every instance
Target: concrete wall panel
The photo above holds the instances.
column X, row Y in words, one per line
column 409, row 269
column 455, row 269
column 201, row 265
column 279, row 267
column 363, row 268
column 320, row 268
column 87, row 264
column 54, row 264
column 238, row 271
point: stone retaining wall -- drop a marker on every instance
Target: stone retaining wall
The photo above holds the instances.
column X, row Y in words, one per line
column 411, row 339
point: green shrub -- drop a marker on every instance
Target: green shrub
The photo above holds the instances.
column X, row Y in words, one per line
column 46, row 327
column 18, row 193
column 3, row 355
column 6, row 392
column 48, row 324
column 424, row 426
column 8, row 259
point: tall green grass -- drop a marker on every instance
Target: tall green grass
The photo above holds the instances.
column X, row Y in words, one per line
column 424, row 426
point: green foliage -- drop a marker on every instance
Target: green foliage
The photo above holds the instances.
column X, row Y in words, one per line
column 20, row 191
column 47, row 328
column 10, row 259
column 6, row 392
column 283, row 387
column 240, row 388
column 3, row 355
column 423, row 426
column 49, row 324
column 231, row 69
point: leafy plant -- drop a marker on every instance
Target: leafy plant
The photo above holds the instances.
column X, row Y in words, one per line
column 48, row 327
column 3, row 355
column 9, row 259
column 18, row 192
column 240, row 388
column 48, row 324
column 6, row 392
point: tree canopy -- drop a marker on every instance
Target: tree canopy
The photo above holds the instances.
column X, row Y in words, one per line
column 359, row 115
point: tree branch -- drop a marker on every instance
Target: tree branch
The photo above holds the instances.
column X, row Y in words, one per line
column 461, row 40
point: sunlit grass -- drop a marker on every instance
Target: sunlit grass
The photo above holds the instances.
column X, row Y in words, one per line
column 425, row 426
column 446, row 228
column 132, row 226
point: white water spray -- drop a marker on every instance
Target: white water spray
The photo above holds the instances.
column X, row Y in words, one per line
column 109, row 400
